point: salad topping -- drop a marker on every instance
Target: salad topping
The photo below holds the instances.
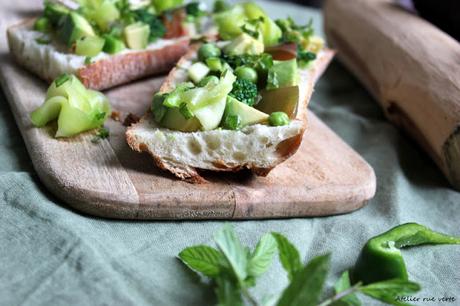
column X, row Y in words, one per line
column 94, row 26
column 249, row 77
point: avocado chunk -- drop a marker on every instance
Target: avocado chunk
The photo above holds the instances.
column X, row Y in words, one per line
column 137, row 35
column 244, row 44
column 174, row 120
column 74, row 27
column 55, row 12
column 89, row 46
column 283, row 99
column 113, row 45
column 248, row 115
column 283, row 74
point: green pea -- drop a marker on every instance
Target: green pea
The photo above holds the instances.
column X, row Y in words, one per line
column 42, row 24
column 208, row 79
column 278, row 119
column 246, row 73
column 214, row 63
column 208, row 50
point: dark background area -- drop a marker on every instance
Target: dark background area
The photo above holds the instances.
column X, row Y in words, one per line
column 314, row 3
column 444, row 14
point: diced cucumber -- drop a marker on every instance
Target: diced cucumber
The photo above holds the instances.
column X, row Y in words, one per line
column 244, row 44
column 210, row 116
column 75, row 26
column 137, row 35
column 198, row 71
column 55, row 12
column 229, row 22
column 270, row 30
column 105, row 14
column 89, row 46
column 113, row 45
column 174, row 120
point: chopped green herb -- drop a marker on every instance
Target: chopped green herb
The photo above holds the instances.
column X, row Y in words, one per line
column 232, row 122
column 88, row 60
column 254, row 33
column 193, row 9
column 157, row 108
column 261, row 63
column 305, row 57
column 293, row 32
column 101, row 133
column 62, row 79
column 252, row 27
column 157, row 28
column 185, row 111
column 100, row 116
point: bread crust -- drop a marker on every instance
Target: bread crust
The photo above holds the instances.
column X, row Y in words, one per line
column 285, row 149
column 124, row 68
column 110, row 71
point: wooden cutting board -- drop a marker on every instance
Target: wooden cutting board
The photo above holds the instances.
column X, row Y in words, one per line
column 107, row 179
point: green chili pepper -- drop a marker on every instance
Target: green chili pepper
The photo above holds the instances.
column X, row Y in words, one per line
column 381, row 259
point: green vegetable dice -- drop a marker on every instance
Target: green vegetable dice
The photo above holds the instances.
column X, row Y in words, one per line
column 89, row 46
column 76, row 108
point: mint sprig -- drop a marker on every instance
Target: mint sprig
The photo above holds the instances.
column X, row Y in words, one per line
column 288, row 254
column 234, row 269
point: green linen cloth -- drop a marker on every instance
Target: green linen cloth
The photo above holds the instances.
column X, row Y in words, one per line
column 50, row 255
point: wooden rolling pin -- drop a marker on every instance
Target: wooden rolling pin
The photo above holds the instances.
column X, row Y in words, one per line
column 411, row 67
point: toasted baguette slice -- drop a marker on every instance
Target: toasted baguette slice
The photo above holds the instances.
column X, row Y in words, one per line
column 48, row 61
column 258, row 147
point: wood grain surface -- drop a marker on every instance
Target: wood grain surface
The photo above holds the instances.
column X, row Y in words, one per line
column 410, row 66
column 107, row 179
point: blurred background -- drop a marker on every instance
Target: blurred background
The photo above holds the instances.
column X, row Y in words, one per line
column 314, row 3
column 445, row 14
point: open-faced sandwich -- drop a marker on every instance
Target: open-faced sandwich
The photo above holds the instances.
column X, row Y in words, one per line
column 239, row 102
column 106, row 42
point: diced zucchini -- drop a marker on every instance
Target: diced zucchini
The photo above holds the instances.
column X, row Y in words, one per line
column 198, row 71
column 89, row 46
column 137, row 35
column 55, row 12
column 113, row 45
column 75, row 26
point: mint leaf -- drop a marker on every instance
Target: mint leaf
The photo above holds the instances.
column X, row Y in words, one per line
column 341, row 285
column 263, row 254
column 233, row 251
column 307, row 285
column 228, row 293
column 389, row 290
column 203, row 259
column 289, row 255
